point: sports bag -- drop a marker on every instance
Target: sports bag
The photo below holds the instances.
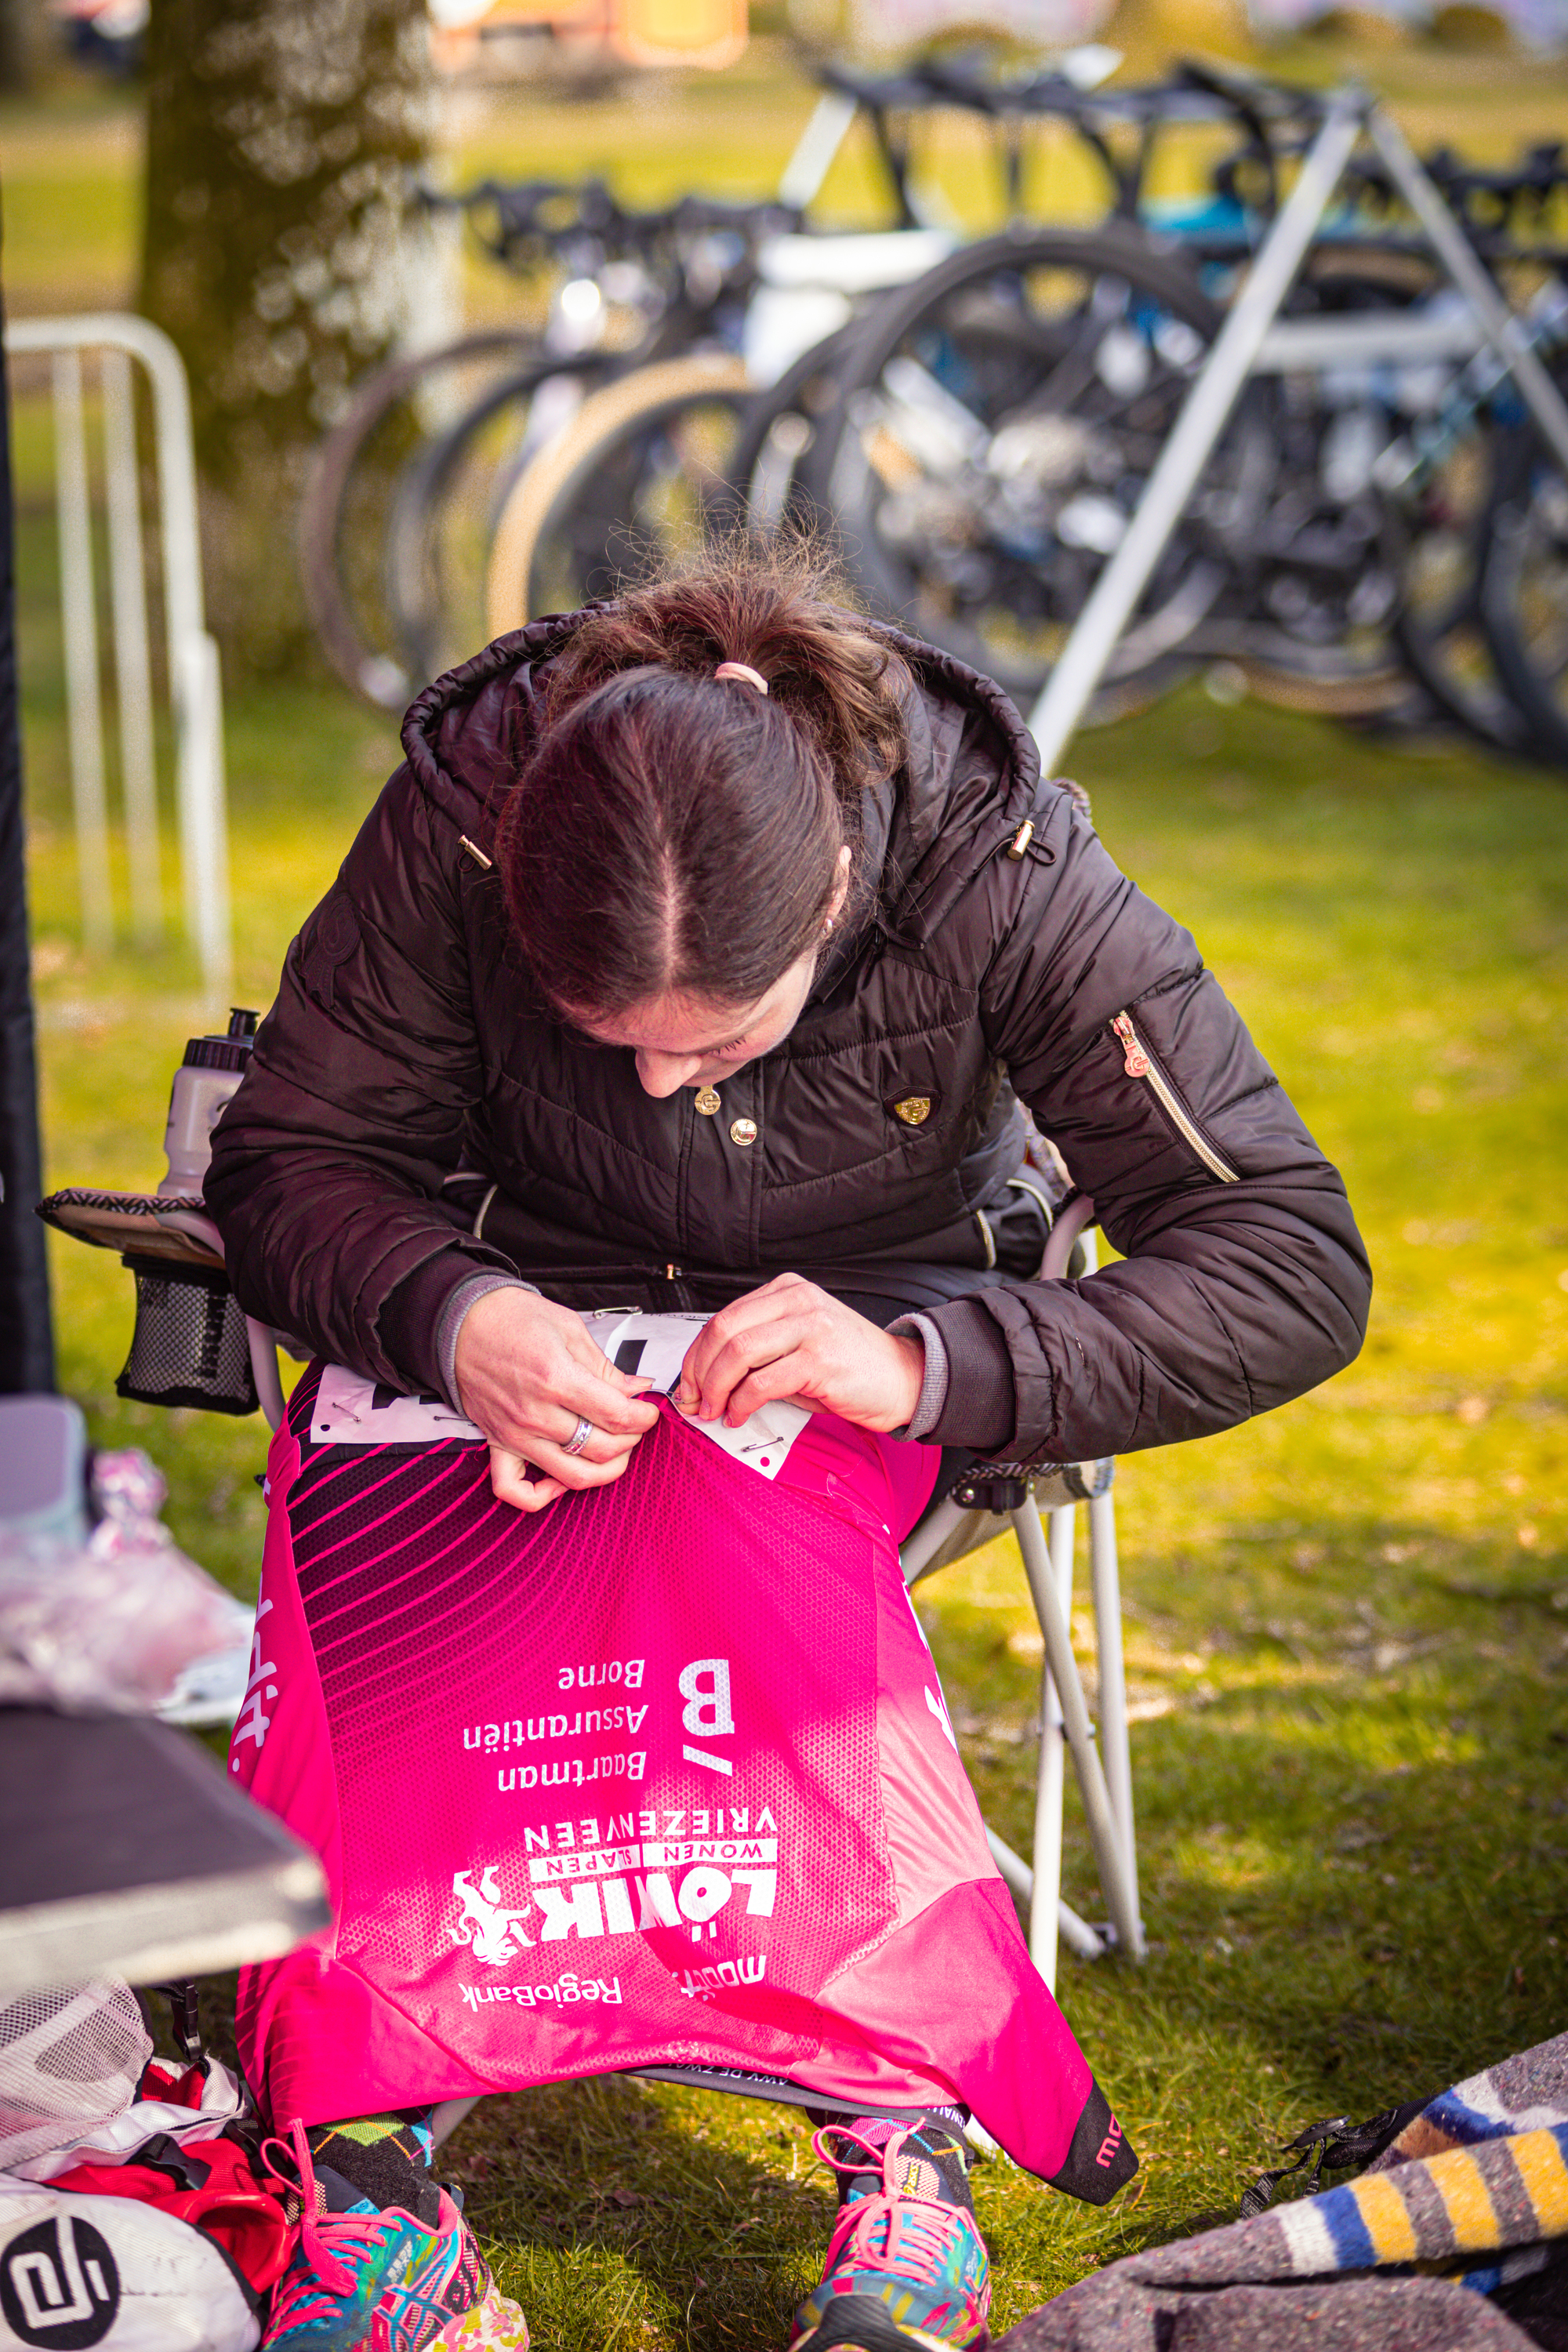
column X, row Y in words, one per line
column 113, row 2272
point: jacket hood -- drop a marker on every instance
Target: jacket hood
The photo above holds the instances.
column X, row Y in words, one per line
column 927, row 827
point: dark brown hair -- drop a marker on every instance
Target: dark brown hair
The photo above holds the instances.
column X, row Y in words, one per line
column 671, row 830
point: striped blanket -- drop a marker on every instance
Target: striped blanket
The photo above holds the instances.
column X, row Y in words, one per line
column 1456, row 2237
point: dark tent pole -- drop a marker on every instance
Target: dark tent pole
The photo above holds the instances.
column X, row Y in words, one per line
column 26, row 1338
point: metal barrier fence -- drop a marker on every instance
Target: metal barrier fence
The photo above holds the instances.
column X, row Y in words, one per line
column 194, row 688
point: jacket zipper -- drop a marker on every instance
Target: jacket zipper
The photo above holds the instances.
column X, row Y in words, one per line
column 1138, row 1062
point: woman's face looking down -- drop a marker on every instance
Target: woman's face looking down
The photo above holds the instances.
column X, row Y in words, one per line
column 681, row 1040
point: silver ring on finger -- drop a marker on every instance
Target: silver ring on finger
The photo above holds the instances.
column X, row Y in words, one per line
column 579, row 1437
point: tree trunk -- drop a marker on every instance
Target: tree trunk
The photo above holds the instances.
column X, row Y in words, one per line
column 29, row 44
column 280, row 134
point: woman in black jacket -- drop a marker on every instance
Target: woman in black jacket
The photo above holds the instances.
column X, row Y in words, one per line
column 702, row 954
column 724, row 994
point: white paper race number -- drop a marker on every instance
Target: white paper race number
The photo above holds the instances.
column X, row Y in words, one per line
column 352, row 1411
column 655, row 1346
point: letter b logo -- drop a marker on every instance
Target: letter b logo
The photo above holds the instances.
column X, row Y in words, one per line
column 705, row 1686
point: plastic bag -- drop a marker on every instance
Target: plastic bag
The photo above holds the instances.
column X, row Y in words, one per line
column 112, row 1622
column 182, row 2104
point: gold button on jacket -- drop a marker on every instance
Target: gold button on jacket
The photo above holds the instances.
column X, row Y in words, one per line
column 744, row 1130
column 706, row 1100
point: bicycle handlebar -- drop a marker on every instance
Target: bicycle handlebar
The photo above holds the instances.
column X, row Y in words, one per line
column 1196, row 93
column 521, row 223
column 518, row 222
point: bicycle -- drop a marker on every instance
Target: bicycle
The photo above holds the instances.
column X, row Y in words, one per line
column 402, row 495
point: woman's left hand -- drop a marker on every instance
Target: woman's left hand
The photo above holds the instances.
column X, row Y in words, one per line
column 790, row 1339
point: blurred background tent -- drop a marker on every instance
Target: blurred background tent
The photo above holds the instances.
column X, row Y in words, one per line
column 488, row 37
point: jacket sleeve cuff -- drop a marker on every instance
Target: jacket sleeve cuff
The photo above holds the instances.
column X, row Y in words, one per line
column 411, row 1322
column 468, row 1294
column 979, row 1408
column 933, row 1386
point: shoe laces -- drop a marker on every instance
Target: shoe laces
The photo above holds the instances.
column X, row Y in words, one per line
column 902, row 2236
column 335, row 2246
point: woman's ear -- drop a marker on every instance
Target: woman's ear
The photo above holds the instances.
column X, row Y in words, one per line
column 841, row 887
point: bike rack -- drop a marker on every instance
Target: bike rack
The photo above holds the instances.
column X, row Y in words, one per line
column 1251, row 343
column 192, row 653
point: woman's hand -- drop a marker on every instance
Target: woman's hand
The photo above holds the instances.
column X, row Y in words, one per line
column 527, row 1374
column 790, row 1339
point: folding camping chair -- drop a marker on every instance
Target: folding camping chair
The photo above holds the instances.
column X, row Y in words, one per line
column 990, row 1497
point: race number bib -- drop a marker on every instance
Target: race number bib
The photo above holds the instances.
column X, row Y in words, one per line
column 353, row 1411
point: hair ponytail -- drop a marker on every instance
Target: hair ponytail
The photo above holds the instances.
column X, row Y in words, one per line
column 776, row 605
column 670, row 830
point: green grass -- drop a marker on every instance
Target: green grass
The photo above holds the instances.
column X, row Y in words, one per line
column 70, row 199
column 1347, row 1624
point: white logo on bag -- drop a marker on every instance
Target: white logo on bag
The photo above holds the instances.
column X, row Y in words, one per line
column 704, row 1685
column 564, row 1991
column 492, row 1932
column 254, row 1722
column 59, row 2285
column 938, row 1705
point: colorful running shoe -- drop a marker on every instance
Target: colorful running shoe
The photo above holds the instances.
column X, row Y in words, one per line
column 381, row 2281
column 906, row 2263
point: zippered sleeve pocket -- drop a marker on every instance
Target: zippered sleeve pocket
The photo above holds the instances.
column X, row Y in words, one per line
column 1141, row 1064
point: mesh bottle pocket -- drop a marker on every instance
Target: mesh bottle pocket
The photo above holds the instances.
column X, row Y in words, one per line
column 71, row 2058
column 190, row 1345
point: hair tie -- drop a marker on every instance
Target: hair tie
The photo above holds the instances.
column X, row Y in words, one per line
column 746, row 673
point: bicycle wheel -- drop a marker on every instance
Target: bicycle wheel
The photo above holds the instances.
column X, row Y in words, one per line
column 1439, row 531
column 1388, row 488
column 1525, row 590
column 1319, row 580
column 995, row 428
column 1389, row 578
column 638, row 475
column 443, row 511
column 349, row 493
column 780, row 426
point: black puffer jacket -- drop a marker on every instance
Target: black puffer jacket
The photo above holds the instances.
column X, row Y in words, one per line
column 409, row 1042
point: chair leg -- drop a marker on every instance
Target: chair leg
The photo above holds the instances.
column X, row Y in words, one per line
column 1105, row 1583
column 446, row 2118
column 1056, row 1624
column 1049, row 1786
column 1075, row 1933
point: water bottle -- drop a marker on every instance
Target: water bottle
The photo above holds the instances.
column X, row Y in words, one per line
column 209, row 1076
